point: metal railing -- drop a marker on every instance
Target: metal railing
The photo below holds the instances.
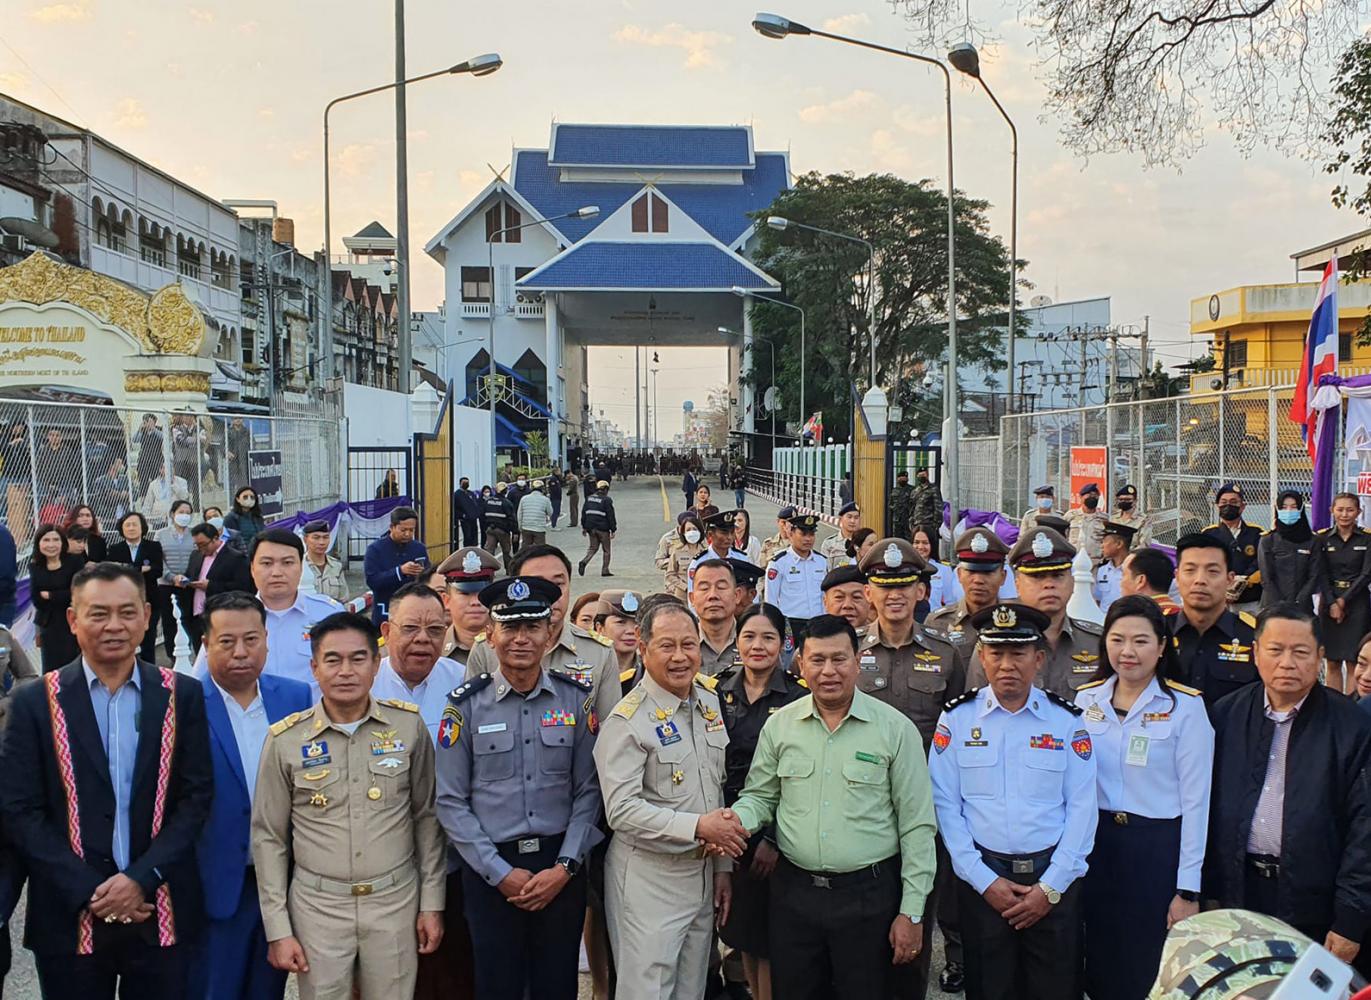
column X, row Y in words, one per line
column 812, row 493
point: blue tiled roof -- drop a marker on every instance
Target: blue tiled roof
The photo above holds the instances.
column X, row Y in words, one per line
column 651, row 146
column 647, row 265
column 720, row 208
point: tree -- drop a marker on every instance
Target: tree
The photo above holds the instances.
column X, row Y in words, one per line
column 1349, row 134
column 907, row 224
column 1150, row 78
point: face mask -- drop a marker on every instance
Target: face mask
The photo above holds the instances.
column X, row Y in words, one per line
column 692, row 536
column 247, row 503
column 218, row 522
column 182, row 520
column 1091, row 502
column 1288, row 516
column 1125, row 505
column 1229, row 512
column 1044, row 503
column 521, row 482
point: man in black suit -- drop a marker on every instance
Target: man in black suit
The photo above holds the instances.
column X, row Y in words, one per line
column 228, row 571
column 107, row 784
column 11, row 882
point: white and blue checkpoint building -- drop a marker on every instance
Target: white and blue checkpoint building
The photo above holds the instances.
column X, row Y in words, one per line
column 656, row 267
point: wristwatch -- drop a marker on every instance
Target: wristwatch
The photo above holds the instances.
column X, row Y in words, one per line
column 1053, row 896
column 571, row 865
column 914, row 920
column 1189, row 895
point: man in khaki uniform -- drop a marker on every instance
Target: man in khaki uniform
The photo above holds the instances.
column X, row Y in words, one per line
column 980, row 571
column 780, row 540
column 587, row 654
column 464, row 575
column 1087, row 523
column 345, row 839
column 660, row 755
column 1044, row 498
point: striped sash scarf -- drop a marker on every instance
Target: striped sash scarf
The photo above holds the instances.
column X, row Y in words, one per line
column 61, row 738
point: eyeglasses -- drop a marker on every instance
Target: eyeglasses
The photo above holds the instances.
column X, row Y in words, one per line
column 432, row 631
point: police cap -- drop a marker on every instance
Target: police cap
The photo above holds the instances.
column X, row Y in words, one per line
column 849, row 508
column 1227, row 488
column 1009, row 624
column 745, row 574
column 1089, row 488
column 1045, row 491
column 841, row 575
column 786, row 513
column 804, row 522
column 1041, row 550
column 1056, row 522
column 893, row 562
column 469, row 569
column 980, row 550
column 720, row 520
column 1123, row 531
column 622, row 603
column 520, row 598
column 1127, row 490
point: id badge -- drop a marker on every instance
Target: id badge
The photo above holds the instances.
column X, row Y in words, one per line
column 1137, row 750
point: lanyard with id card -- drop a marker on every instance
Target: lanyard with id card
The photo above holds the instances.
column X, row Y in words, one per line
column 1137, row 750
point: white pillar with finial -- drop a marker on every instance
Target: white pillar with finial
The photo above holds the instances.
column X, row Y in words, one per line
column 181, row 658
column 1082, row 604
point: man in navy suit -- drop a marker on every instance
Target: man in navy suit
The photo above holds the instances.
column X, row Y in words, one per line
column 107, row 784
column 241, row 704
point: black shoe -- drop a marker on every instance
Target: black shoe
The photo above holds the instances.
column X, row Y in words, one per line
column 605, row 572
column 581, row 568
column 953, row 979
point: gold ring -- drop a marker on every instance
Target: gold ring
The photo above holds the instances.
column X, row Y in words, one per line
column 126, row 920
column 109, row 919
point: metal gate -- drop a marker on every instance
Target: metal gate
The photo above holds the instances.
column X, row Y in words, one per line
column 367, row 473
column 911, row 458
column 434, row 484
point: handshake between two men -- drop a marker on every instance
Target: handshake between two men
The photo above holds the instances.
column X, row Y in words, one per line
column 722, row 833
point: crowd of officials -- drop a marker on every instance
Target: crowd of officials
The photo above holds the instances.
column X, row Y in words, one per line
column 766, row 779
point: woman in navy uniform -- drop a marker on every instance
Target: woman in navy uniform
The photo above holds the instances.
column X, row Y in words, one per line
column 1343, row 571
column 749, row 692
column 1285, row 555
column 1154, row 752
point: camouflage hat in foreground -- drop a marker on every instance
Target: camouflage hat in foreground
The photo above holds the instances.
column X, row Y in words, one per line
column 1227, row 955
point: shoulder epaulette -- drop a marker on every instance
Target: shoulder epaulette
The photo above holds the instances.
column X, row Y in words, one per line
column 1267, row 532
column 480, row 637
column 629, row 703
column 277, row 728
column 778, row 553
column 577, row 679
column 800, row 681
column 1087, row 687
column 404, row 706
column 1210, row 527
column 725, row 673
column 1184, row 689
column 706, row 682
column 1087, row 626
column 1247, row 618
column 602, row 639
column 1061, row 702
column 461, row 693
column 627, row 675
column 576, row 630
column 965, row 698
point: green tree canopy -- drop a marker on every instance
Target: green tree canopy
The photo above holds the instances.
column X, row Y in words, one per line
column 907, row 224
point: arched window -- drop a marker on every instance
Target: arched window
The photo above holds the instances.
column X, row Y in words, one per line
column 496, row 220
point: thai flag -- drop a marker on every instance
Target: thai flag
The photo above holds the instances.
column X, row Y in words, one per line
column 1320, row 358
column 814, row 427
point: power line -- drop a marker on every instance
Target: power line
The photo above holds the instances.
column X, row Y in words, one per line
column 37, row 76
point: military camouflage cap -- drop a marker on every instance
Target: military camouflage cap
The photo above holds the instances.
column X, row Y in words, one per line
column 1227, row 955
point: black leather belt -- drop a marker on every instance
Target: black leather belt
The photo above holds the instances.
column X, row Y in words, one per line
column 1133, row 819
column 1019, row 865
column 840, row 880
column 1264, row 865
column 530, row 845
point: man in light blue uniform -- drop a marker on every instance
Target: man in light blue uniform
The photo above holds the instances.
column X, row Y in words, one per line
column 1014, row 788
column 1114, row 547
column 795, row 577
column 277, row 560
column 719, row 534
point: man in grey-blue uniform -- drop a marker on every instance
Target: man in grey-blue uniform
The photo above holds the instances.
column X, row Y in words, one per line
column 519, row 799
column 719, row 534
column 795, row 578
column 1014, row 789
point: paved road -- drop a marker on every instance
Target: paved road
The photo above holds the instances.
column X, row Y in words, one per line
column 643, row 518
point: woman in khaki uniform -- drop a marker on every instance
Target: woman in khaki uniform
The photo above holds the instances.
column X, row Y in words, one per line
column 688, row 543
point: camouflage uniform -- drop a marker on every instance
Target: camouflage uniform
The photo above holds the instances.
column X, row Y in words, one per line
column 927, row 509
column 1227, row 955
column 901, row 506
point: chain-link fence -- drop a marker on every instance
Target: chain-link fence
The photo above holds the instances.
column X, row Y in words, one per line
column 57, row 456
column 1175, row 451
column 979, row 462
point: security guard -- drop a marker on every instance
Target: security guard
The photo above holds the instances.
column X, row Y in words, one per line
column 1214, row 643
column 1242, row 539
column 900, row 505
column 660, row 757
column 466, row 573
column 1044, row 497
column 745, row 577
column 719, row 536
column 599, row 524
column 1087, row 522
column 980, row 572
column 778, row 541
column 900, row 662
column 518, row 798
column 1117, row 541
column 1014, row 787
column 794, row 577
column 497, row 512
column 348, row 850
column 1042, row 573
column 1126, row 513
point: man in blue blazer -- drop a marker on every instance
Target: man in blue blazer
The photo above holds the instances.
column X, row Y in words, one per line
column 241, row 704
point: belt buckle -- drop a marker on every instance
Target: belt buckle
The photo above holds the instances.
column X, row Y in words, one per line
column 1021, row 866
column 820, row 882
column 361, row 888
column 529, row 845
column 1121, row 819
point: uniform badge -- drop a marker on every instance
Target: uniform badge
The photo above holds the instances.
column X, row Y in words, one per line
column 1004, row 617
column 390, row 763
column 381, row 747
column 1234, row 651
column 979, row 545
column 560, row 717
column 667, row 734
column 929, row 663
column 770, row 573
column 449, row 727
column 662, row 714
column 892, row 557
column 942, row 738
column 976, row 740
column 1042, row 546
column 1080, row 743
column 517, row 591
column 1094, row 714
column 471, row 563
column 1049, row 742
column 314, row 754
column 713, row 725
column 677, row 777
column 318, row 799
column 1156, row 717
column 316, row 775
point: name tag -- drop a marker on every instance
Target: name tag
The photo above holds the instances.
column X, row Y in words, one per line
column 868, row 662
column 491, row 727
column 667, row 734
column 1137, row 750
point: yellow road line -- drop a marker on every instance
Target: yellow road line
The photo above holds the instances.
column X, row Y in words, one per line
column 666, row 507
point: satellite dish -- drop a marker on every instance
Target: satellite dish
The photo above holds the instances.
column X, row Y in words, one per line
column 771, row 399
column 1038, row 301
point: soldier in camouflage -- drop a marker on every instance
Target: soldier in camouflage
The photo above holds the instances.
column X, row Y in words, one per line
column 900, row 506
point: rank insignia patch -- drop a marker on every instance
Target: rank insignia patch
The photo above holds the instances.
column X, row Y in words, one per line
column 942, row 738
column 1080, row 743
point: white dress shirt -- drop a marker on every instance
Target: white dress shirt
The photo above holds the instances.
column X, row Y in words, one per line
column 288, row 652
column 430, row 694
column 250, row 727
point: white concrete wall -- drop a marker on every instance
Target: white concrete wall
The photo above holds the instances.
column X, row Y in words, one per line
column 377, row 418
column 471, row 445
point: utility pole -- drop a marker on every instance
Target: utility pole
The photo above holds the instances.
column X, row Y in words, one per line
column 403, row 346
column 1146, row 369
column 637, row 398
column 1083, row 334
column 1113, row 366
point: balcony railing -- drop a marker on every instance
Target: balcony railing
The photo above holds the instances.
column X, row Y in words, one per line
column 475, row 309
column 529, row 310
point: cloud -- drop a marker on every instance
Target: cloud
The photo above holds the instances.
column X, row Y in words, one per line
column 201, row 14
column 129, row 113
column 838, row 108
column 846, row 23
column 302, row 154
column 356, row 159
column 266, row 112
column 248, row 28
column 888, row 153
column 62, row 13
column 925, row 123
column 13, row 81
column 699, row 46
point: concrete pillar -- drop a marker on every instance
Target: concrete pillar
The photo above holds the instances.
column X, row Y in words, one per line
column 553, row 360
column 747, row 365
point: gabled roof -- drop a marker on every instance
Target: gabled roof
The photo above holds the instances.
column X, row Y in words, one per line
column 373, row 231
column 722, row 209
column 639, row 266
column 434, row 247
column 704, row 147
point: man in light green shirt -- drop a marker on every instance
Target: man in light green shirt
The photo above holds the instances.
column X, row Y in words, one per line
column 844, row 779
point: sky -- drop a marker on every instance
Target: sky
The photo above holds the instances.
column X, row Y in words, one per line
column 229, row 98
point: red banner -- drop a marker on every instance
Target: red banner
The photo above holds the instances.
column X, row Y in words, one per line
column 1088, row 465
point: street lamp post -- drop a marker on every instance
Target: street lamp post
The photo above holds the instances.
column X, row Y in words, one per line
column 965, row 58
column 744, row 294
column 585, row 212
column 775, row 26
column 780, row 224
column 480, row 66
column 771, row 344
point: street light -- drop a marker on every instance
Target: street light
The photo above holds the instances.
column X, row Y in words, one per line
column 743, row 293
column 780, row 224
column 726, row 332
column 482, row 65
column 584, row 212
column 965, row 59
column 776, row 26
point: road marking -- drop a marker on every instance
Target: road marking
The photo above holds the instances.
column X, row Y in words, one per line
column 666, row 507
